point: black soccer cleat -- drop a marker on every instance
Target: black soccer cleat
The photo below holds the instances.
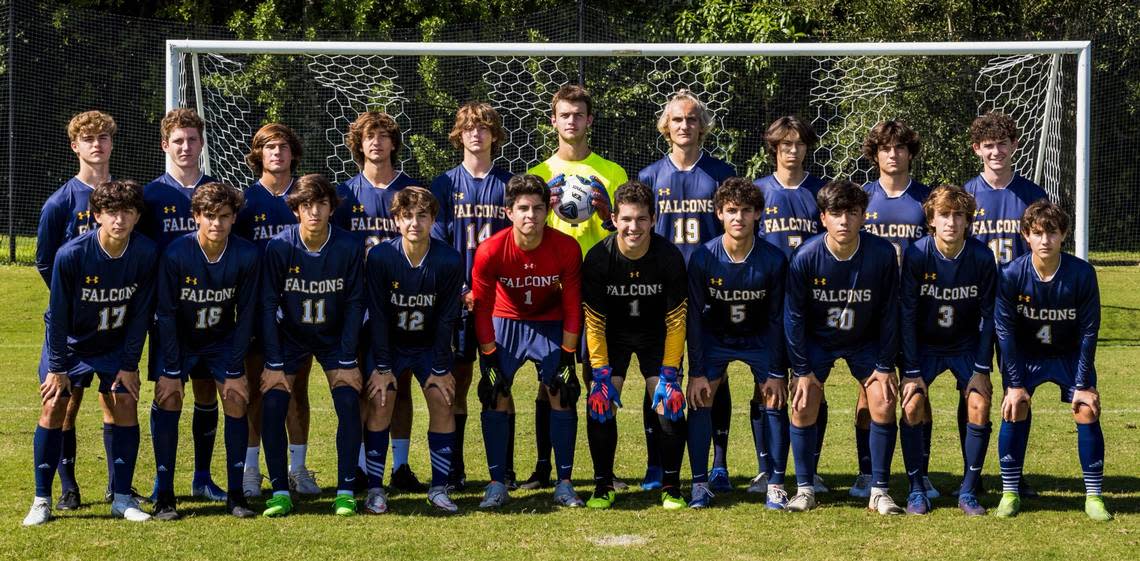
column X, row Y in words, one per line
column 68, row 500
column 238, row 507
column 511, row 480
column 165, row 507
column 403, row 479
column 537, row 480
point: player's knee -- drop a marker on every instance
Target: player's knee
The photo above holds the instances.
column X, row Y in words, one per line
column 234, row 407
column 436, row 404
column 1085, row 415
column 978, row 408
column 914, row 412
column 377, row 416
column 205, row 392
column 53, row 413
column 171, row 403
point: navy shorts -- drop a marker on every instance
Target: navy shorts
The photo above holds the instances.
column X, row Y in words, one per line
column 860, row 361
column 419, row 363
column 520, row 341
column 328, row 359
column 1059, row 370
column 961, row 366
column 718, row 354
column 82, row 372
column 204, row 366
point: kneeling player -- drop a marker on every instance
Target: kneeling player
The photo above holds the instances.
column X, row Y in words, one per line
column 947, row 291
column 526, row 282
column 413, row 302
column 1048, row 316
column 102, row 290
column 736, row 285
column 312, row 302
column 635, row 293
column 842, row 302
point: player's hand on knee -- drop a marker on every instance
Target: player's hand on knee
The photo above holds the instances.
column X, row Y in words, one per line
column 912, row 387
column 801, row 391
column 236, row 390
column 274, row 380
column 128, row 380
column 1014, row 404
column 556, row 183
column 1087, row 397
column 603, row 395
column 168, row 387
column 350, row 377
column 444, row 383
column 889, row 382
column 700, row 392
column 381, row 383
column 981, row 384
column 668, row 393
column 492, row 383
column 775, row 392
column 565, row 380
column 55, row 386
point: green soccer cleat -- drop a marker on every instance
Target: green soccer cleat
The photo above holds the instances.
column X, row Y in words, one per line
column 671, row 499
column 1009, row 506
column 602, row 500
column 1094, row 507
column 278, row 505
column 344, row 505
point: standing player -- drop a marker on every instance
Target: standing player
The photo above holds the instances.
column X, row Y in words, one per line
column 274, row 156
column 470, row 197
column 527, row 288
column 374, row 140
column 947, row 292
column 894, row 213
column 168, row 217
column 65, row 216
column 413, row 300
column 207, row 282
column 790, row 218
column 1048, row 318
column 635, row 295
column 842, row 302
column 684, row 181
column 572, row 115
column 102, row 291
column 736, row 285
column 312, row 302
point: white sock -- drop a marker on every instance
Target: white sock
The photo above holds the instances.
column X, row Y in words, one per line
column 251, row 460
column 400, row 452
column 297, row 457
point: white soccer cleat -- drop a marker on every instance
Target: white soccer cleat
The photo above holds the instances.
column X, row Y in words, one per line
column 882, row 503
column 127, row 508
column 40, row 513
column 377, row 502
column 862, row 486
column 759, row 484
column 251, row 482
column 931, row 492
column 438, row 498
column 802, row 502
column 304, row 482
column 819, row 486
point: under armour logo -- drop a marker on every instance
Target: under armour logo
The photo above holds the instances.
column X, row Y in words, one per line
column 83, row 215
column 459, row 195
column 527, row 266
column 1023, row 298
column 91, row 280
column 980, row 212
column 295, row 269
column 634, row 274
column 171, row 209
column 192, row 280
column 395, row 284
column 930, row 276
column 357, row 208
column 260, row 217
column 716, row 281
column 819, row 281
column 771, row 210
column 663, row 192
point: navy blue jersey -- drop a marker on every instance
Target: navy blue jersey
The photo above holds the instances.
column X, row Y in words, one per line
column 264, row 215
column 997, row 221
column 311, row 300
column 685, row 213
column 470, row 210
column 365, row 211
column 65, row 216
column 168, row 214
column 843, row 305
column 947, row 303
column 790, row 213
column 1039, row 319
column 899, row 220
column 413, row 309
column 206, row 307
column 100, row 306
column 737, row 302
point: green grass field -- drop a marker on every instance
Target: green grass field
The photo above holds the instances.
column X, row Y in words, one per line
column 530, row 527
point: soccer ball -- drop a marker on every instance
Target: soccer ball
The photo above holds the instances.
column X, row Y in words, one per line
column 575, row 206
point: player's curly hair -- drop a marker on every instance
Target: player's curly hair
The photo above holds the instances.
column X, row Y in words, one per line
column 212, row 196
column 181, row 118
column 738, row 191
column 312, row 188
column 782, row 127
column 526, row 184
column 91, row 122
column 117, row 194
column 993, row 126
column 634, row 192
column 1046, row 215
column 364, row 124
column 475, row 113
column 952, row 198
column 841, row 196
column 573, row 93
column 704, row 116
column 410, row 199
column 887, row 133
column 273, row 131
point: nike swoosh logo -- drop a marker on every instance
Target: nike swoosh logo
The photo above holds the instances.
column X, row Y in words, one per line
column 972, row 468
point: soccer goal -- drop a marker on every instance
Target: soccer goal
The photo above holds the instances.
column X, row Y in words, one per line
column 318, row 88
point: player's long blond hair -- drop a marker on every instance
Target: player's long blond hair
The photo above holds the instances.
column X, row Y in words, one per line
column 704, row 116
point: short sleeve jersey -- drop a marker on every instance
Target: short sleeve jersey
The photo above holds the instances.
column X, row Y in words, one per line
column 609, row 173
column 685, row 213
column 997, row 220
column 791, row 215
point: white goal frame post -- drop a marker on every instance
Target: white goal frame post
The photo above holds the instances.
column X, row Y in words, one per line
column 177, row 49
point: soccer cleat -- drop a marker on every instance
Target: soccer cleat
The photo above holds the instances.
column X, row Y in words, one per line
column 862, row 486
column 1009, row 506
column 165, row 508
column 68, row 500
column 403, row 479
column 536, row 480
column 376, row 502
column 109, row 497
column 565, row 495
column 819, row 486
column 759, row 484
column 802, row 502
column 652, row 479
column 344, row 505
column 457, row 482
column 494, row 496
column 620, row 485
column 251, row 482
column 882, row 503
column 278, row 505
column 238, row 507
column 127, row 508
column 718, row 480
column 671, row 499
column 701, row 496
column 207, row 490
column 602, row 498
column 931, row 491
column 777, row 498
column 969, row 505
column 1094, row 507
column 510, row 480
column 40, row 513
column 304, row 482
column 437, row 497
column 918, row 503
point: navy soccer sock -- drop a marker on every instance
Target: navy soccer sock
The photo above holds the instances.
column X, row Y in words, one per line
column 671, row 443
column 125, row 444
column 204, row 426
column 651, row 426
column 1012, row 441
column 804, row 443
column 927, row 433
column 67, row 461
column 863, row 449
column 509, row 463
column 882, row 442
column 542, row 441
column 977, row 441
column 1090, row 448
column 912, row 448
column 458, row 466
column 236, row 440
column 777, row 427
column 346, row 401
column 375, row 456
column 441, row 447
column 602, row 438
column 820, row 429
column 495, row 427
column 700, row 438
column 563, row 436
column 274, row 408
column 165, row 439
column 758, row 418
column 45, row 455
column 109, row 454
column 721, row 419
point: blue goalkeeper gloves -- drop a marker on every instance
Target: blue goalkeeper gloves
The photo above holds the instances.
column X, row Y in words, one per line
column 668, row 394
column 603, row 395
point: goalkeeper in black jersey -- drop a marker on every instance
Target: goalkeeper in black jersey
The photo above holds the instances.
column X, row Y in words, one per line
column 635, row 292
